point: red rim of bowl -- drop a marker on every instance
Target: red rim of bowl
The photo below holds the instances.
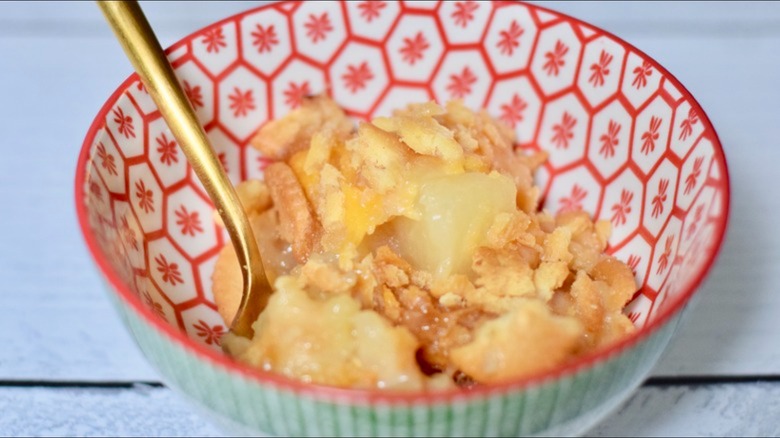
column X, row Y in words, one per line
column 371, row 395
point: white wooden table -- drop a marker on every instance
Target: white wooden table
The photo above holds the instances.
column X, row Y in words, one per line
column 68, row 368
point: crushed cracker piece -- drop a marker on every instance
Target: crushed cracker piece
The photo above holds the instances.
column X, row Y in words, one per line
column 423, row 135
column 524, row 341
column 556, row 246
column 588, row 301
column 451, row 300
column 549, row 277
column 620, row 279
column 298, row 224
column 279, row 139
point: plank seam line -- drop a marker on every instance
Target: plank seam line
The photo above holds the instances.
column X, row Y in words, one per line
column 653, row 382
column 84, row 384
column 710, row 380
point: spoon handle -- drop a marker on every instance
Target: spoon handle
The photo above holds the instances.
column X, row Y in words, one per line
column 147, row 57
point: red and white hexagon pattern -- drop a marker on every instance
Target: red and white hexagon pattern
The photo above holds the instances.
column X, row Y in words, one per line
column 624, row 142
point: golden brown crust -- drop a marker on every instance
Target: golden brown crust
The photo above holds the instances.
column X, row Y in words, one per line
column 620, row 279
column 427, row 221
column 298, row 224
column 326, row 278
column 279, row 139
column 588, row 303
column 227, row 283
column 524, row 341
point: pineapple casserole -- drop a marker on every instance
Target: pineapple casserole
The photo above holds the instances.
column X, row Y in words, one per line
column 408, row 253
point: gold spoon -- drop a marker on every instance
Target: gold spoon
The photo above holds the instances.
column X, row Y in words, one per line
column 142, row 48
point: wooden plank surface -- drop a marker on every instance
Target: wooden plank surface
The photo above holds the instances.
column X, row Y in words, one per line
column 59, row 63
column 140, row 411
column 718, row 410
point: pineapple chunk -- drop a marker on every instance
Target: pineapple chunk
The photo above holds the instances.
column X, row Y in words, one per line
column 456, row 213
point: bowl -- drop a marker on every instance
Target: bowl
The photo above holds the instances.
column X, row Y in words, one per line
column 626, row 141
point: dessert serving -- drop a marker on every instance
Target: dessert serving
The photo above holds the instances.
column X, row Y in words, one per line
column 408, row 253
column 419, row 253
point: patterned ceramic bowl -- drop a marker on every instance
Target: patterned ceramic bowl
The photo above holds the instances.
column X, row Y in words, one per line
column 627, row 143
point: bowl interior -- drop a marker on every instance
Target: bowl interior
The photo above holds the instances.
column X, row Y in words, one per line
column 626, row 141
